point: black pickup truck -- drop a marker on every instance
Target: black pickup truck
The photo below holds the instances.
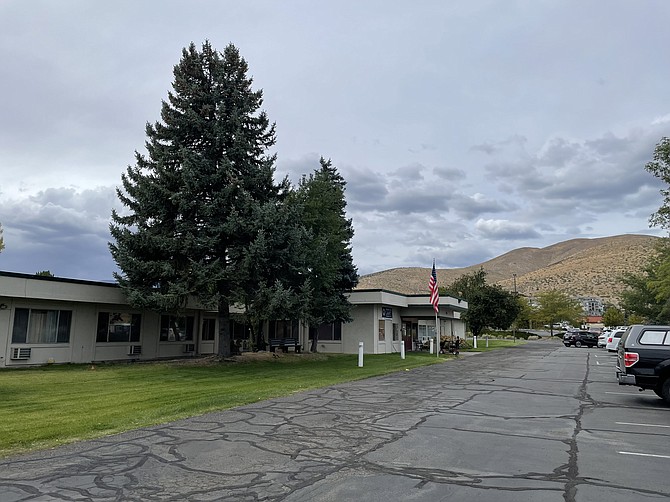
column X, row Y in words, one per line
column 643, row 359
column 580, row 339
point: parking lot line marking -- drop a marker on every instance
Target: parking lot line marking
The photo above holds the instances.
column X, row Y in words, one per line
column 644, row 454
column 642, row 425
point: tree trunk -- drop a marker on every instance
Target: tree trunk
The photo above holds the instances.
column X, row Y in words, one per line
column 260, row 339
column 224, row 327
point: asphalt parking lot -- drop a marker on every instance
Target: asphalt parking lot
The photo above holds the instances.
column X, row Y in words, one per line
column 538, row 422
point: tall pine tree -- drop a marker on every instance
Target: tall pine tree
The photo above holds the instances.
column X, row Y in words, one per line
column 191, row 201
column 331, row 270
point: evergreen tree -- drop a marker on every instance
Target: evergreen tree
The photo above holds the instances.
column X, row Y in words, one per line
column 2, row 240
column 331, row 270
column 190, row 202
column 273, row 272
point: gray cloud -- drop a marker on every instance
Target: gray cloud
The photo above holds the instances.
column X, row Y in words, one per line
column 463, row 130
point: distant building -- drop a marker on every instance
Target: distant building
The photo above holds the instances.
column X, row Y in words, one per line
column 592, row 306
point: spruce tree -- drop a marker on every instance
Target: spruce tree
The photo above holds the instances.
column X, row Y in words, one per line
column 274, row 269
column 191, row 200
column 331, row 270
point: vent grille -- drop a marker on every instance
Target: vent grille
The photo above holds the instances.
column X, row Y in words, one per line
column 135, row 350
column 20, row 353
column 189, row 348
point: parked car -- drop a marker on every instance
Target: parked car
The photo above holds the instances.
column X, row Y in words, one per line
column 580, row 339
column 643, row 359
column 602, row 338
column 613, row 339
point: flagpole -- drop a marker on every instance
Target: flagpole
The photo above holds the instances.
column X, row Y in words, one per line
column 437, row 336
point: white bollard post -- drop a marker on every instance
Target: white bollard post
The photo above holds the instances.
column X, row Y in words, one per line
column 487, row 341
column 360, row 354
column 474, row 342
column 431, row 345
column 402, row 349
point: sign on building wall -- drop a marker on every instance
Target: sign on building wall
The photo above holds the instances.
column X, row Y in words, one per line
column 387, row 313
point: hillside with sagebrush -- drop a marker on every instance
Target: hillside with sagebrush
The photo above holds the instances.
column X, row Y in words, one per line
column 578, row 267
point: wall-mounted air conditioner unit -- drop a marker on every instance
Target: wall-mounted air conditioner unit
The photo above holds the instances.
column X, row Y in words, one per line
column 135, row 350
column 20, row 353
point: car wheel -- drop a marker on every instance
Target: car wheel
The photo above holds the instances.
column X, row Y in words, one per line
column 578, row 343
column 664, row 387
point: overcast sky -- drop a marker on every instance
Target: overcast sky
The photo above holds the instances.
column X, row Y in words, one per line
column 463, row 129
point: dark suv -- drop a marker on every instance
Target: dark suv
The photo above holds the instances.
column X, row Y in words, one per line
column 580, row 339
column 643, row 359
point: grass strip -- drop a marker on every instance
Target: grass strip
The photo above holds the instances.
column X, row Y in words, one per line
column 53, row 405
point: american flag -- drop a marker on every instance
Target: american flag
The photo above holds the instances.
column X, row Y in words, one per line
column 434, row 293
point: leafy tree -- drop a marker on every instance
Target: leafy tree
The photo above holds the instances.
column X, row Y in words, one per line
column 489, row 306
column 44, row 273
column 647, row 293
column 2, row 239
column 634, row 319
column 613, row 317
column 660, row 167
column 331, row 270
column 555, row 306
column 523, row 319
column 191, row 202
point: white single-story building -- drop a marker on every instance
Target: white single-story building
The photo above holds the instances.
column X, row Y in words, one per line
column 56, row 320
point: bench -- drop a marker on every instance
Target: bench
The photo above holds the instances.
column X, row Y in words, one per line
column 284, row 344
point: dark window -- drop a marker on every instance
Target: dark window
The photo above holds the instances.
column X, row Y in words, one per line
column 118, row 327
column 208, row 329
column 41, row 326
column 330, row 331
column 239, row 330
column 176, row 329
column 283, row 329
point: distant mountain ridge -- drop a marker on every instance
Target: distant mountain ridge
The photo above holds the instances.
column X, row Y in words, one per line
column 578, row 267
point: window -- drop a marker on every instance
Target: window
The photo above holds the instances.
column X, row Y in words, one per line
column 240, row 330
column 652, row 337
column 396, row 332
column 41, row 326
column 208, row 330
column 118, row 327
column 426, row 330
column 283, row 329
column 382, row 331
column 176, row 329
column 331, row 331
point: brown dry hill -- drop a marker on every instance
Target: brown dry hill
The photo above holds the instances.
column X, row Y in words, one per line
column 579, row 267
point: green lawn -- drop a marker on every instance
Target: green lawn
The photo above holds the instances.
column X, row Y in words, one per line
column 52, row 405
column 48, row 406
column 493, row 344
